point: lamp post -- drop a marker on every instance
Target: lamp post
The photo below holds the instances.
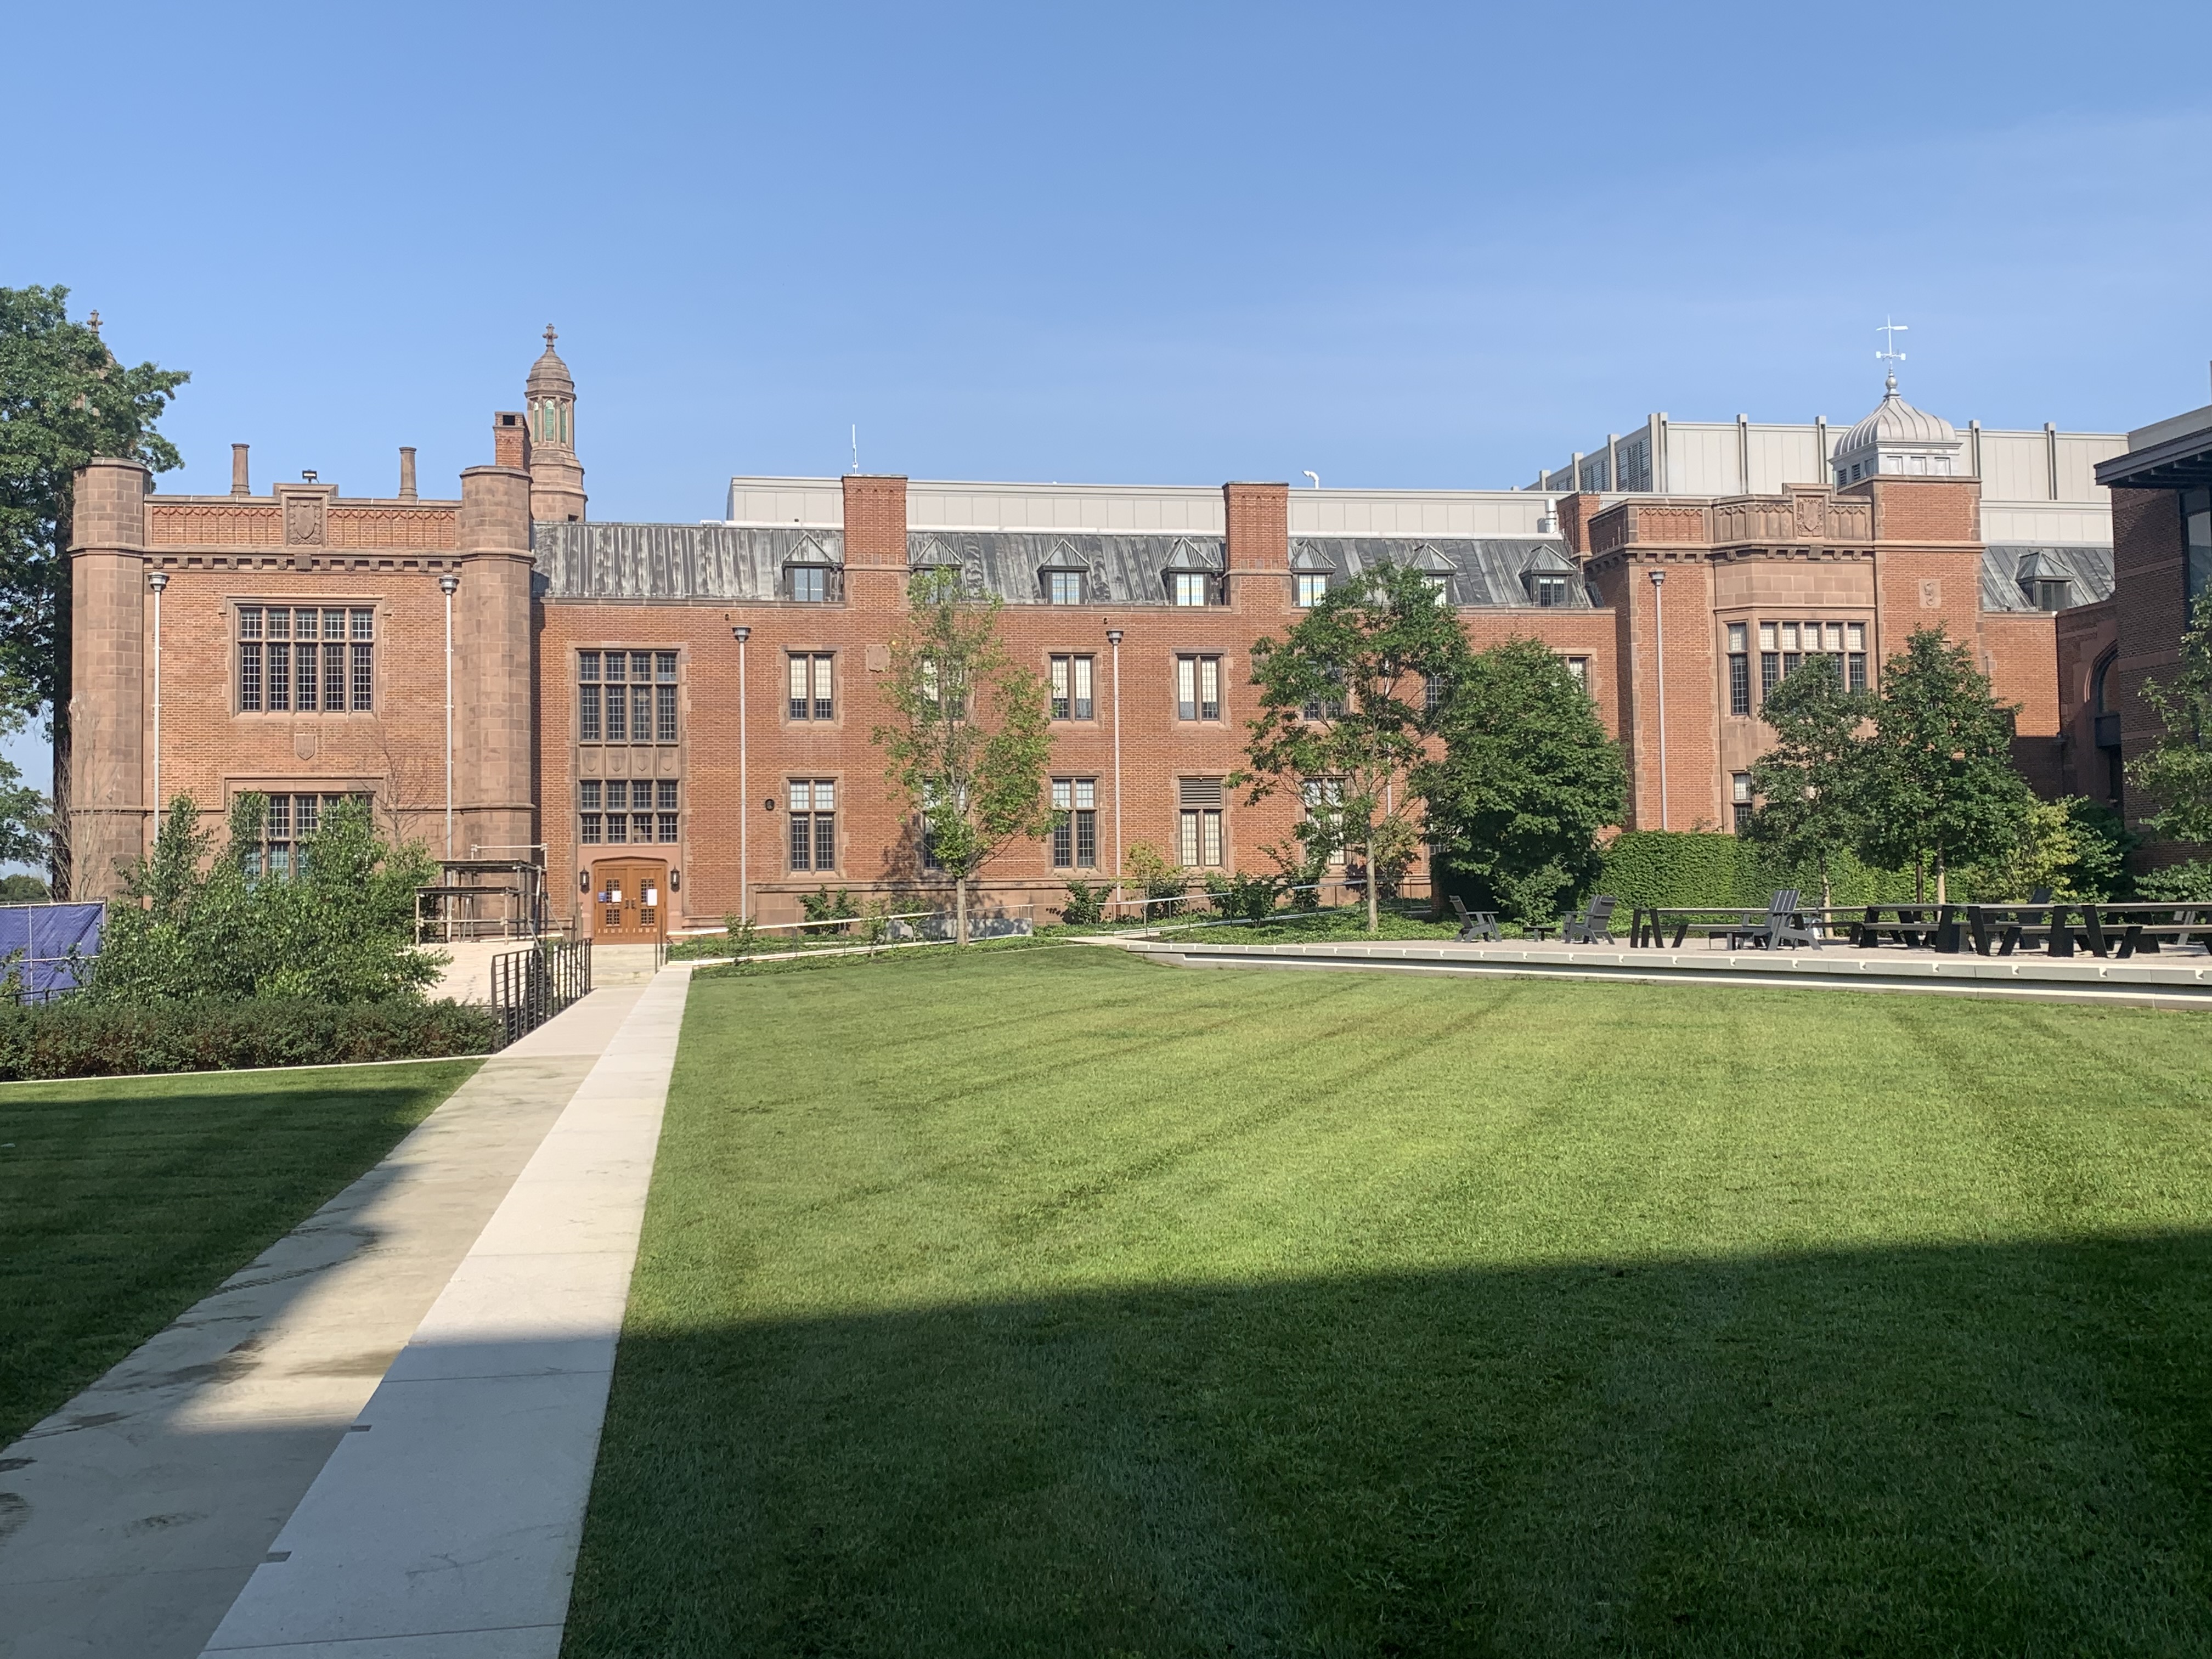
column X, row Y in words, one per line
column 157, row 581
column 1113, row 639
column 740, row 633
column 1659, row 657
column 446, row 584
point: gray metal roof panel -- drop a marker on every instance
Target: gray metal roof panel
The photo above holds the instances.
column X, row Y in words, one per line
column 2089, row 568
column 599, row 561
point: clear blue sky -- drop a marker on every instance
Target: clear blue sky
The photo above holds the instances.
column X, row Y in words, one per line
column 1400, row 245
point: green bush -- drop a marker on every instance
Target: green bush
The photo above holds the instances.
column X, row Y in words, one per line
column 196, row 920
column 823, row 905
column 80, row 1037
column 1086, row 905
column 2190, row 881
column 1672, row 867
column 1248, row 898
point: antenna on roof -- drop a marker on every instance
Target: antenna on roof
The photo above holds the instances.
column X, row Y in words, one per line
column 856, row 447
column 1890, row 353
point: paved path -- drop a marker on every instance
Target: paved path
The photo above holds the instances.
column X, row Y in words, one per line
column 447, row 1522
column 131, row 1518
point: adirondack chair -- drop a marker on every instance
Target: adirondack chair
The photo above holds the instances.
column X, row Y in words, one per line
column 1593, row 925
column 1477, row 924
column 1781, row 926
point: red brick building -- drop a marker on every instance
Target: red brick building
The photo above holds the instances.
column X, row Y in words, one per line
column 681, row 713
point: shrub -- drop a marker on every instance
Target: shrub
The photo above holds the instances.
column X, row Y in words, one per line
column 1086, row 905
column 196, row 921
column 1250, row 898
column 823, row 905
column 1159, row 880
column 81, row 1037
column 2190, row 883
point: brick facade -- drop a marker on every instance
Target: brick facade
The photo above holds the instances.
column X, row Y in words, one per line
column 1889, row 555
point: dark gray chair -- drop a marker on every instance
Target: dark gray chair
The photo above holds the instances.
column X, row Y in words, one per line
column 1593, row 925
column 1475, row 925
column 1782, row 926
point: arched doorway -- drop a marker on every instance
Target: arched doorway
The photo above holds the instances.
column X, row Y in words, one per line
column 630, row 900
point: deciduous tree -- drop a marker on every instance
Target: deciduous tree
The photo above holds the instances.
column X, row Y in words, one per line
column 1345, row 703
column 1527, row 779
column 970, row 739
column 2176, row 771
column 1942, row 791
column 63, row 399
column 1812, row 785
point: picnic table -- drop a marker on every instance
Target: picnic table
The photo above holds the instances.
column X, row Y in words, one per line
column 2134, row 927
column 2114, row 929
column 1649, row 925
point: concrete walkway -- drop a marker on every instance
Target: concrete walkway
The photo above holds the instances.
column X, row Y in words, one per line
column 447, row 1522
column 131, row 1518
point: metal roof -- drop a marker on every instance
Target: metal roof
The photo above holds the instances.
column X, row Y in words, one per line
column 2088, row 569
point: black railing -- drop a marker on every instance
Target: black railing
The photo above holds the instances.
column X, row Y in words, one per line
column 528, row 987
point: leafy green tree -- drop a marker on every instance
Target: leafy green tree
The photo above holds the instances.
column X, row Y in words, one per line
column 1942, row 791
column 2176, row 771
column 2075, row 846
column 1811, row 785
column 972, row 737
column 22, row 890
column 197, row 920
column 1528, row 779
column 63, row 400
column 1345, row 704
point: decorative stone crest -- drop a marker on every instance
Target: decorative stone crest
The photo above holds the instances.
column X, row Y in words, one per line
column 303, row 520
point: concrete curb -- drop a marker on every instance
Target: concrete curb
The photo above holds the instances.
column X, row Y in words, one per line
column 2034, row 979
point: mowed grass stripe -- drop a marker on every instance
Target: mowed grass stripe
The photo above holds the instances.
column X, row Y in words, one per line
column 1049, row 1302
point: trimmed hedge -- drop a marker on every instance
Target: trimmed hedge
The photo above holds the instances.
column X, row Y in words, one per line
column 1672, row 867
column 79, row 1038
column 1689, row 867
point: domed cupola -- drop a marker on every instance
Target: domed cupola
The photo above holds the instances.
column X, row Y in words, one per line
column 1897, row 440
column 556, row 477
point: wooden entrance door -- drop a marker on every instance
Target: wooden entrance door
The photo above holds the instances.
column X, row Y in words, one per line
column 630, row 900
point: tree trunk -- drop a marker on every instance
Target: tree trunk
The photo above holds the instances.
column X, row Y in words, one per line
column 1827, row 888
column 960, row 909
column 1374, row 919
column 1941, row 890
column 1920, row 878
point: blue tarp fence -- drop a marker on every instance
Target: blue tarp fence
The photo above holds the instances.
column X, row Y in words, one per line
column 58, row 943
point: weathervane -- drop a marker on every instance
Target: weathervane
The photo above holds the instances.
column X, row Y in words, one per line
column 1890, row 353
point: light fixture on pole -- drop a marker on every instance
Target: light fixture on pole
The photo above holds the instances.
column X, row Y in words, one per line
column 158, row 581
column 1659, row 656
column 446, row 584
column 740, row 633
column 1113, row 639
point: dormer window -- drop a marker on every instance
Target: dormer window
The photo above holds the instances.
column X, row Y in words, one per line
column 1193, row 574
column 806, row 584
column 1546, row 579
column 1311, row 588
column 1063, row 586
column 2044, row 583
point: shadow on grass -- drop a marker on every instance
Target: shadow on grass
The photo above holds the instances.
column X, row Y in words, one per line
column 1999, row 1450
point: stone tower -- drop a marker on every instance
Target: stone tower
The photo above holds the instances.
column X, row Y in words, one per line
column 106, row 806
column 556, row 477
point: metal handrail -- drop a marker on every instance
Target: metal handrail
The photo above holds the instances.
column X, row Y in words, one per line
column 529, row 987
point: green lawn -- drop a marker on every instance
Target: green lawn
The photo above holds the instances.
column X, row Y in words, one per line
column 124, row 1201
column 1051, row 1302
